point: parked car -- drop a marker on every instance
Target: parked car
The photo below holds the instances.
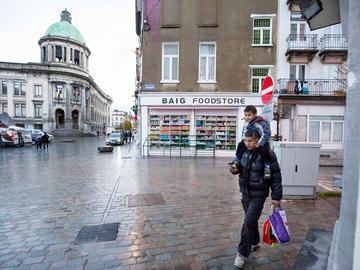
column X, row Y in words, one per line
column 36, row 133
column 10, row 137
column 116, row 138
column 24, row 132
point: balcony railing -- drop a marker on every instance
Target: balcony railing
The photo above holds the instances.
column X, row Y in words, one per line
column 333, row 43
column 302, row 42
column 331, row 87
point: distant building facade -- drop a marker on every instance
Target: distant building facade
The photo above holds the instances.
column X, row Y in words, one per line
column 199, row 63
column 58, row 94
column 117, row 117
column 312, row 82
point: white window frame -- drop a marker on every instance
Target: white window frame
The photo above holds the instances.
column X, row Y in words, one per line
column 297, row 71
column 23, row 89
column 40, row 107
column 171, row 57
column 2, row 106
column 22, row 106
column 259, row 16
column 332, row 122
column 2, row 83
column 298, row 24
column 35, row 90
column 258, row 77
column 207, row 62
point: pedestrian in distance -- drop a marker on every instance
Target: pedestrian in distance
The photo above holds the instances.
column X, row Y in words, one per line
column 262, row 127
column 38, row 142
column 255, row 188
column 45, row 140
column 130, row 136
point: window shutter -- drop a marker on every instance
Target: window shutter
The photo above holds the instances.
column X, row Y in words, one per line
column 206, row 13
column 171, row 13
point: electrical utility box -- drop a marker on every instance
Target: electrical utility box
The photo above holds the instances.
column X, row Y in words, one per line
column 299, row 163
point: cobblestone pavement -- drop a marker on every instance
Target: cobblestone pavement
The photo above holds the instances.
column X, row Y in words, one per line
column 190, row 218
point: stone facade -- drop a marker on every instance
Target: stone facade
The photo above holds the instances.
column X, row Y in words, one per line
column 57, row 95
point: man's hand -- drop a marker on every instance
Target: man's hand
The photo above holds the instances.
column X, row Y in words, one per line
column 276, row 203
column 234, row 170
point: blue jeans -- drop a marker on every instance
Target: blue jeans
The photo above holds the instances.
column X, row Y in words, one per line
column 250, row 231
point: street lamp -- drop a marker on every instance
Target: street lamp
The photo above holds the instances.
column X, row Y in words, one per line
column 320, row 13
column 310, row 8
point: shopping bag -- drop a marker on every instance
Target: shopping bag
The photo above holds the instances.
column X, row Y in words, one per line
column 268, row 236
column 278, row 225
column 283, row 217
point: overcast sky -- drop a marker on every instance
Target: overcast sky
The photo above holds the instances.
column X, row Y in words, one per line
column 108, row 27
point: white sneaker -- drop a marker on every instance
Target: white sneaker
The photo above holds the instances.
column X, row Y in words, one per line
column 239, row 261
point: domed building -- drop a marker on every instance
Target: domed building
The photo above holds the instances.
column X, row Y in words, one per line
column 57, row 95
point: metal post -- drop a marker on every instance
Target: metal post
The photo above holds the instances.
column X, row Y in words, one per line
column 345, row 247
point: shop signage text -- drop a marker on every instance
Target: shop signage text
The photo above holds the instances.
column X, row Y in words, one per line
column 203, row 101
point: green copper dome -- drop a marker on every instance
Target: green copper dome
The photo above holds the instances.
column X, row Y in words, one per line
column 65, row 29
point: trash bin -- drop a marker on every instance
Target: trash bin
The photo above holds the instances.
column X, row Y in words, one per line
column 299, row 163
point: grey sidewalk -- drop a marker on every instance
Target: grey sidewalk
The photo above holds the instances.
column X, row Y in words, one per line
column 172, row 214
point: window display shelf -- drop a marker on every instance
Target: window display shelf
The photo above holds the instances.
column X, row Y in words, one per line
column 170, row 129
column 223, row 127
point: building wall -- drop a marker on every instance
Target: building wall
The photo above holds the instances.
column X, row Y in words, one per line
column 93, row 111
column 295, row 123
column 314, row 69
column 188, row 22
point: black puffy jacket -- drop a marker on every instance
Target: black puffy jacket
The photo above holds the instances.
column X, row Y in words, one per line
column 251, row 178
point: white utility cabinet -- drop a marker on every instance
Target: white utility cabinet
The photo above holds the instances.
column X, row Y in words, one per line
column 299, row 163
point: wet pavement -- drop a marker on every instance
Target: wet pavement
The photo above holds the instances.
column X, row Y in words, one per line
column 171, row 214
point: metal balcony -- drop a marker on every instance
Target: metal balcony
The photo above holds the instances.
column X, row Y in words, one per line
column 305, row 46
column 315, row 87
column 333, row 48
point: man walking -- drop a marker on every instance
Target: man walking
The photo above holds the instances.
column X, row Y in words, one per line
column 45, row 140
column 254, row 189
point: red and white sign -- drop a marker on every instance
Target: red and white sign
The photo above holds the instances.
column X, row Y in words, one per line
column 267, row 90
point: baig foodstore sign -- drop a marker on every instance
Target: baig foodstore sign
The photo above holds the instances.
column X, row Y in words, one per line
column 237, row 99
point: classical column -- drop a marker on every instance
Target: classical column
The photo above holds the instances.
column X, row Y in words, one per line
column 68, row 120
column 68, row 55
column 48, row 53
column 83, row 108
column 10, row 99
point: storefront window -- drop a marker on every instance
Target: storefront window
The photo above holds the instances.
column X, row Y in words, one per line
column 170, row 130
column 222, row 129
